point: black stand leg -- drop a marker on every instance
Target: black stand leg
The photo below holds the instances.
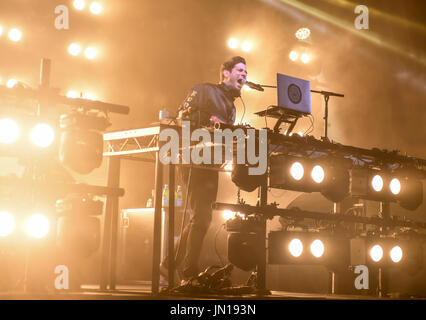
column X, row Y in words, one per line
column 110, row 207
column 156, row 256
column 171, row 225
column 261, row 266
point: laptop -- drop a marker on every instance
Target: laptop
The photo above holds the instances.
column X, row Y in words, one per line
column 294, row 94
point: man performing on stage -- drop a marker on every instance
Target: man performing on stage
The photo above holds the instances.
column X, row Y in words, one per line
column 207, row 102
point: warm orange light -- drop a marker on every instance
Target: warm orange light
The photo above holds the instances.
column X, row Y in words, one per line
column 15, row 34
column 95, row 8
column 79, row 4
column 74, row 49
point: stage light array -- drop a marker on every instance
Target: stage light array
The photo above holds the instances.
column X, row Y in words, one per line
column 388, row 185
column 309, row 175
column 299, row 247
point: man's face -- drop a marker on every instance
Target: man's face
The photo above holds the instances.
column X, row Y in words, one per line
column 233, row 78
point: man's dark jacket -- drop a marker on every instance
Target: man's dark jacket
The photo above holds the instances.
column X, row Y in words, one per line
column 206, row 100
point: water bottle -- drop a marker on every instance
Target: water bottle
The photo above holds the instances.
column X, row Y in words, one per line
column 149, row 203
column 165, row 200
column 178, row 197
column 163, row 115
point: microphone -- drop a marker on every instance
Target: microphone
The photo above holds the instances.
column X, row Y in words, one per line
column 252, row 85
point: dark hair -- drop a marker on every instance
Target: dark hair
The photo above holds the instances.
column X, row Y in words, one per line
column 229, row 65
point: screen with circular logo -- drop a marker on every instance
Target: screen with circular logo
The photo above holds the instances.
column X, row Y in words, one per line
column 294, row 93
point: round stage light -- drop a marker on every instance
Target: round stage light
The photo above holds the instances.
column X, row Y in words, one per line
column 293, row 55
column 1, row 30
column 377, row 183
column 233, row 43
column 295, row 247
column 318, row 174
column 303, row 33
column 396, row 254
column 376, row 253
column 90, row 53
column 72, row 94
column 228, row 168
column 9, row 131
column 297, row 171
column 317, row 248
column 395, row 186
column 228, row 214
column 38, row 226
column 15, row 35
column 79, row 4
column 305, row 58
column 246, row 46
column 43, row 135
column 95, row 8
column 74, row 49
column 7, row 223
column 11, row 83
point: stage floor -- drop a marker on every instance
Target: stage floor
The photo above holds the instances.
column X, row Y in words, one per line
column 142, row 291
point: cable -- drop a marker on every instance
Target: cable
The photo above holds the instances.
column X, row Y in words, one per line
column 266, row 122
column 184, row 212
column 215, row 243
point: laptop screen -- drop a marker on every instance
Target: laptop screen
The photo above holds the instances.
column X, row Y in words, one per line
column 294, row 94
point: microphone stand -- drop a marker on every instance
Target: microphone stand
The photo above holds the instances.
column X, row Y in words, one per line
column 327, row 95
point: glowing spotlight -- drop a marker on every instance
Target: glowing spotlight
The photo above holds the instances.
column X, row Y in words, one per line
column 303, row 33
column 79, row 4
column 9, row 131
column 377, row 183
column 305, row 58
column 233, row 43
column 295, row 247
column 396, row 254
column 95, row 8
column 90, row 53
column 74, row 49
column 293, row 55
column 318, row 174
column 246, row 46
column 43, row 135
column 7, row 223
column 1, row 30
column 38, row 226
column 228, row 214
column 376, row 253
column 297, row 171
column 317, row 248
column 395, row 186
column 73, row 94
column 228, row 168
column 11, row 83
column 15, row 35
